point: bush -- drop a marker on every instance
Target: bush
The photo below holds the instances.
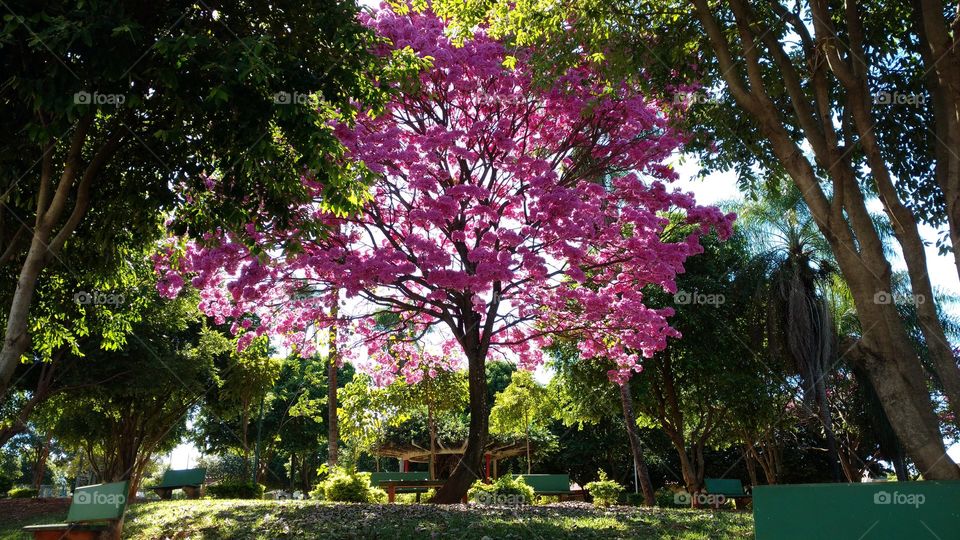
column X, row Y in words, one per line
column 235, row 489
column 673, row 497
column 348, row 486
column 506, row 490
column 605, row 492
column 22, row 492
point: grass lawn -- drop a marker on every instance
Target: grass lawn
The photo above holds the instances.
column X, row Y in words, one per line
column 216, row 519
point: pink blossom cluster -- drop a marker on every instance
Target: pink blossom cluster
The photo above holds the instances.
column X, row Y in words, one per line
column 503, row 212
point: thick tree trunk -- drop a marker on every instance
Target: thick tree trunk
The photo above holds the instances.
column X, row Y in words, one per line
column 901, row 389
column 626, row 400
column 468, row 469
column 842, row 216
column 16, row 340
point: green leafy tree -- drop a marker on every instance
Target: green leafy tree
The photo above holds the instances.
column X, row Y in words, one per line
column 521, row 407
column 118, row 111
column 820, row 93
column 126, row 406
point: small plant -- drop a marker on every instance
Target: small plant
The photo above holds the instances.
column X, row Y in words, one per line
column 605, row 492
column 348, row 486
column 22, row 492
column 236, row 489
column 507, row 490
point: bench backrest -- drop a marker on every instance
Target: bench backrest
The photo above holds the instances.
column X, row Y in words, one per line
column 928, row 509
column 723, row 486
column 99, row 502
column 183, row 477
column 547, row 482
column 377, row 477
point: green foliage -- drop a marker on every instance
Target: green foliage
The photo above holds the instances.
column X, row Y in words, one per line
column 667, row 497
column 521, row 406
column 605, row 492
column 348, row 486
column 147, row 388
column 506, row 490
column 235, row 489
column 22, row 492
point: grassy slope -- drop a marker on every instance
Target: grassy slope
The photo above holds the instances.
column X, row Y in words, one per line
column 215, row 519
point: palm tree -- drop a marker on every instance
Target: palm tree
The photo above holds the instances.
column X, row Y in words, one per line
column 797, row 264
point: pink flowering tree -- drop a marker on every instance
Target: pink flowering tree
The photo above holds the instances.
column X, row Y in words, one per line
column 501, row 213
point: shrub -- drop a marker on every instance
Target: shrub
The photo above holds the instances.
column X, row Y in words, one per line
column 348, row 486
column 605, row 492
column 673, row 497
column 506, row 490
column 235, row 489
column 22, row 492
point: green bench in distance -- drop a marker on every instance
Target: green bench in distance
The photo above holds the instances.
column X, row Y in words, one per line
column 557, row 485
column 189, row 480
column 720, row 490
column 869, row 511
column 394, row 482
column 94, row 512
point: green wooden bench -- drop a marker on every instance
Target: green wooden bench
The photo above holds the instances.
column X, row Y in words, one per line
column 94, row 513
column 875, row 510
column 724, row 489
column 189, row 480
column 402, row 482
column 557, row 485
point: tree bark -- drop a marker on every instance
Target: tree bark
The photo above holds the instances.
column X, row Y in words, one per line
column 626, row 400
column 333, row 428
column 891, row 362
column 468, row 468
column 50, row 209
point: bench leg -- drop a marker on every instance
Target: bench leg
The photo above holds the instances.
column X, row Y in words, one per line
column 391, row 494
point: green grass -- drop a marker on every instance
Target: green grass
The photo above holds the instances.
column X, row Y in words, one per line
column 218, row 519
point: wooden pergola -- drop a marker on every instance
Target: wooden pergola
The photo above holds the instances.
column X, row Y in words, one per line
column 412, row 452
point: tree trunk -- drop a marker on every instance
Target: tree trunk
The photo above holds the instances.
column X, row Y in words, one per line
column 16, row 340
column 40, row 467
column 751, row 463
column 842, row 217
column 526, row 436
column 825, row 418
column 433, row 443
column 333, row 428
column 468, row 468
column 626, row 400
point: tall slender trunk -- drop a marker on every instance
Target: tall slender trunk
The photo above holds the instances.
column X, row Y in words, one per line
column 333, row 428
column 433, row 442
column 526, row 437
column 626, row 401
column 823, row 408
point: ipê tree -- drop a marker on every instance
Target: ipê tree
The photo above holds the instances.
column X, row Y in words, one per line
column 484, row 222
